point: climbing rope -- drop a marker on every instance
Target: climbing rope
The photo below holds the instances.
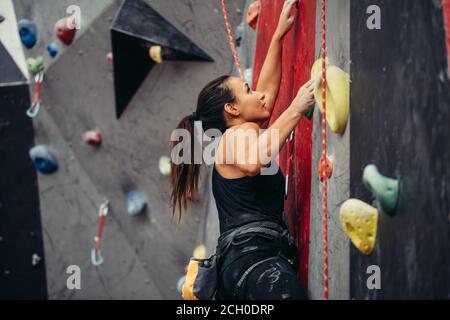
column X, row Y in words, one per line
column 324, row 167
column 231, row 39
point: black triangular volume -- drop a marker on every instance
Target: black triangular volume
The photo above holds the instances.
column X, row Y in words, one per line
column 9, row 71
column 135, row 29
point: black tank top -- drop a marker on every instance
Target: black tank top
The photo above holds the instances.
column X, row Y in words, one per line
column 248, row 199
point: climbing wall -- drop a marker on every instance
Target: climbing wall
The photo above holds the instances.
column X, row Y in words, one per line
column 400, row 115
column 338, row 148
column 298, row 57
column 145, row 255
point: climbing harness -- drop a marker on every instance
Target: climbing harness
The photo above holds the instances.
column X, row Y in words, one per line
column 203, row 274
column 36, row 103
column 96, row 256
column 231, row 40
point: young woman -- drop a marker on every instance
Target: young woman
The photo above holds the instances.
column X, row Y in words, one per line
column 254, row 266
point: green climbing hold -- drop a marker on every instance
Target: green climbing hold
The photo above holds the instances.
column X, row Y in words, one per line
column 310, row 113
column 384, row 189
column 35, row 65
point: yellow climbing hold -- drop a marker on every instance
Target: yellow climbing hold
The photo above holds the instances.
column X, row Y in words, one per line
column 199, row 252
column 359, row 221
column 155, row 53
column 338, row 94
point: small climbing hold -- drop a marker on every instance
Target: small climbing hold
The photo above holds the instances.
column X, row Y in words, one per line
column 337, row 94
column 28, row 33
column 359, row 221
column 2, row 18
column 253, row 14
column 35, row 65
column 164, row 165
column 136, row 203
column 109, row 58
column 325, row 168
column 248, row 76
column 199, row 252
column 35, row 259
column 66, row 30
column 44, row 159
column 155, row 53
column 52, row 49
column 92, row 137
column 384, row 189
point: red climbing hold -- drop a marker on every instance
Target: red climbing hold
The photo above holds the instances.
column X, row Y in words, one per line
column 109, row 58
column 66, row 29
column 325, row 168
column 253, row 14
column 92, row 137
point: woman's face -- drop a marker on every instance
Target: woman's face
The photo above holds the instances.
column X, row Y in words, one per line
column 250, row 105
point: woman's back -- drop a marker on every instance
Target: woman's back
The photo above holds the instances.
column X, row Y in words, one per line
column 248, row 199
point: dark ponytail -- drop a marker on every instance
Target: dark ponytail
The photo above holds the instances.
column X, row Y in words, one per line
column 210, row 111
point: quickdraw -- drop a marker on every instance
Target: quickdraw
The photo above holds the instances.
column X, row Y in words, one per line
column 36, row 104
column 96, row 256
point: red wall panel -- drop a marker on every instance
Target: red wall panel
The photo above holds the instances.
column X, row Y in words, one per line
column 298, row 57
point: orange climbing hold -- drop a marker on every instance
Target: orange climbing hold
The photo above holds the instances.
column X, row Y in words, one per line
column 253, row 14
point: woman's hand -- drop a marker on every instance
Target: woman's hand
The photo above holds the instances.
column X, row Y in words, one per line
column 286, row 20
column 305, row 98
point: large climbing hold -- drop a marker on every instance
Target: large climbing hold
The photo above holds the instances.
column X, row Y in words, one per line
column 155, row 54
column 66, row 30
column 253, row 14
column 35, row 66
column 28, row 33
column 337, row 94
column 44, row 159
column 359, row 221
column 136, row 203
column 384, row 189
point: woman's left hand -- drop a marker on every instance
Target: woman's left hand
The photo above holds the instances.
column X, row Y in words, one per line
column 286, row 20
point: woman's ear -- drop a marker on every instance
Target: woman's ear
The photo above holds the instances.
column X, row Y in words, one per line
column 231, row 109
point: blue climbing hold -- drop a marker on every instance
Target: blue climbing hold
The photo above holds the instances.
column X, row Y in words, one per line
column 52, row 49
column 136, row 203
column 28, row 33
column 44, row 159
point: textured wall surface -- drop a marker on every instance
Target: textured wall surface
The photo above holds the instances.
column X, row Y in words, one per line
column 144, row 256
column 338, row 147
column 400, row 124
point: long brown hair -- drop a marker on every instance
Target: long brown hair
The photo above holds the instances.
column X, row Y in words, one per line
column 210, row 111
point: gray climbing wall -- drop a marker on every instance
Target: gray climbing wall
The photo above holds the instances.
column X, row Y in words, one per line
column 338, row 147
column 144, row 256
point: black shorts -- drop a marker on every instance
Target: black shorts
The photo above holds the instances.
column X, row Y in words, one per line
column 257, row 268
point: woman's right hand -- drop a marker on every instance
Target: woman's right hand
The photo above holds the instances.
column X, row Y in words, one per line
column 305, row 98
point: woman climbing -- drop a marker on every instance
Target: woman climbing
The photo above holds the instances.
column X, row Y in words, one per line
column 259, row 259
